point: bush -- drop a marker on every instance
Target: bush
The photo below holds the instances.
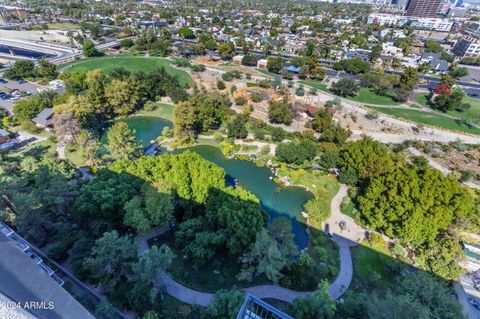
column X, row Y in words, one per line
column 277, row 134
column 221, row 85
column 313, row 208
column 265, row 150
column 227, row 76
column 240, row 100
column 182, row 62
column 297, row 153
column 150, row 106
column 29, row 127
column 256, row 97
column 58, row 251
column 198, row 68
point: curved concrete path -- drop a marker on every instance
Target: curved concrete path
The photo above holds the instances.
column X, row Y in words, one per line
column 336, row 289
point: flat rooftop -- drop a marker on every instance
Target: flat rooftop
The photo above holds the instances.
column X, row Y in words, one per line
column 23, row 281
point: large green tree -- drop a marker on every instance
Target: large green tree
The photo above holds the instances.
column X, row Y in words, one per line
column 110, row 259
column 153, row 207
column 317, row 306
column 366, row 158
column 413, row 204
column 121, row 142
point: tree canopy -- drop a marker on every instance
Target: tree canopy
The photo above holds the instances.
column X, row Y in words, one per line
column 413, row 204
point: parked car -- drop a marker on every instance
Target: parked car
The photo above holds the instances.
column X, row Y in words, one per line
column 3, row 81
column 14, row 91
column 21, row 81
column 6, row 97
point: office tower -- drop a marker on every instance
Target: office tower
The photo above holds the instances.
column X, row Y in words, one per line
column 423, row 8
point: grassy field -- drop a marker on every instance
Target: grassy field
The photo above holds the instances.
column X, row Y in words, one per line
column 322, row 185
column 368, row 261
column 163, row 110
column 370, row 97
column 130, row 63
column 364, row 95
column 316, row 84
column 433, row 119
column 348, row 208
column 63, row 26
column 472, row 114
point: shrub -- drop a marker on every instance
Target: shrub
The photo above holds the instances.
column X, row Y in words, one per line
column 240, row 100
column 221, row 85
column 315, row 211
column 150, row 106
column 58, row 251
column 29, row 127
column 256, row 97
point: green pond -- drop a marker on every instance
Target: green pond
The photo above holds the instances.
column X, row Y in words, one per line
column 276, row 201
column 147, row 128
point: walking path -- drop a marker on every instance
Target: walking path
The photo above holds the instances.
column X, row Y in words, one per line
column 344, row 238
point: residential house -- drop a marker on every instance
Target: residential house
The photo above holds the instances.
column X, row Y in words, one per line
column 4, row 136
column 237, row 59
column 262, row 64
column 44, row 120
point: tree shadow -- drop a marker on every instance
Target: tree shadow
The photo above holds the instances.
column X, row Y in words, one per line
column 376, row 270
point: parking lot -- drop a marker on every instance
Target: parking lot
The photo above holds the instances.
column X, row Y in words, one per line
column 12, row 85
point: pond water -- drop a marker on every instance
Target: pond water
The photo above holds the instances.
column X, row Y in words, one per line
column 147, row 128
column 276, row 201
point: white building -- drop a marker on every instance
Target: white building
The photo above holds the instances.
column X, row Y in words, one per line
column 443, row 25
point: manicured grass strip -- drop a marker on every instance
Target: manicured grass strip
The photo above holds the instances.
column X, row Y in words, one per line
column 367, row 261
column 133, row 64
column 472, row 114
column 62, row 26
column 364, row 95
column 421, row 99
column 434, row 119
column 315, row 84
column 165, row 111
column 369, row 97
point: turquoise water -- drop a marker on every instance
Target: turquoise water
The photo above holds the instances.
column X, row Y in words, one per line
column 276, row 201
column 147, row 128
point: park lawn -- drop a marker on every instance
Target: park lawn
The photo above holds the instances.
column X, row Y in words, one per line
column 369, row 97
column 63, row 26
column 348, row 208
column 164, row 111
column 433, row 119
column 472, row 114
column 266, row 72
column 323, row 186
column 421, row 99
column 133, row 64
column 316, row 84
column 364, row 95
column 73, row 156
column 368, row 260
column 37, row 149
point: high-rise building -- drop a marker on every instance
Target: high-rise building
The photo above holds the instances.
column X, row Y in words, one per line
column 423, row 8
